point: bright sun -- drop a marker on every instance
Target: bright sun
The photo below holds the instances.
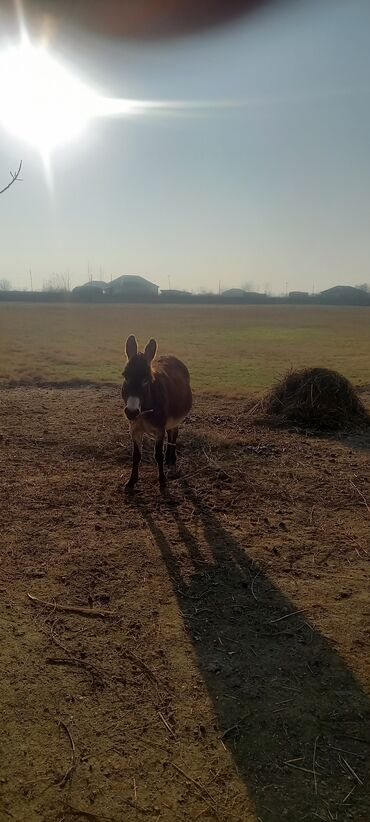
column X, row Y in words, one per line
column 41, row 102
column 46, row 105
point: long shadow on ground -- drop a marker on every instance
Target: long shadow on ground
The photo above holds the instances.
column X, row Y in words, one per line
column 293, row 716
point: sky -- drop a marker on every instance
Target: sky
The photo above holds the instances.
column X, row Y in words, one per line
column 273, row 194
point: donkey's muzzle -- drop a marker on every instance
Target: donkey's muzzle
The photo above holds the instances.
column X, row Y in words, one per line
column 131, row 413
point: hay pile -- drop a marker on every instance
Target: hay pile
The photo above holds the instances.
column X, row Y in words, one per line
column 316, row 398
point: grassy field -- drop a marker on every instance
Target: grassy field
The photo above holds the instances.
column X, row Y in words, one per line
column 228, row 349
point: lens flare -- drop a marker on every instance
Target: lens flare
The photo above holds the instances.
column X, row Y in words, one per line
column 41, row 102
column 45, row 104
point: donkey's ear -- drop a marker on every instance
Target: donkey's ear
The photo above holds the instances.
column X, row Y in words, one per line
column 150, row 350
column 131, row 346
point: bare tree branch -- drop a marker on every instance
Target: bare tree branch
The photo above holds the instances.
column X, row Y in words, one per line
column 15, row 176
column 5, row 285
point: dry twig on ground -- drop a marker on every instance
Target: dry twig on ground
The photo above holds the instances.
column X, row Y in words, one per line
column 69, row 771
column 71, row 609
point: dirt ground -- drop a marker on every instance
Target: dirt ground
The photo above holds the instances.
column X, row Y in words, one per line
column 230, row 679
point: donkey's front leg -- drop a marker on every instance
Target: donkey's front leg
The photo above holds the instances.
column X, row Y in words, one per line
column 159, row 456
column 136, row 459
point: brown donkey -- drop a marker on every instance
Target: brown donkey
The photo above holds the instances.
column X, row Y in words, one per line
column 157, row 399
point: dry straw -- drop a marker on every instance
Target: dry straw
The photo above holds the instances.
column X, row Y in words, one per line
column 315, row 398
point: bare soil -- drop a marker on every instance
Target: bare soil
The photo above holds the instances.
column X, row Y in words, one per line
column 230, row 680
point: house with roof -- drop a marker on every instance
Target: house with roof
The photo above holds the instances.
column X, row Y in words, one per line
column 126, row 286
column 131, row 285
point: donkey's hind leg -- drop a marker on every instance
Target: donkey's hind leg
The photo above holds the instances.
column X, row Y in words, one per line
column 172, row 434
column 158, row 453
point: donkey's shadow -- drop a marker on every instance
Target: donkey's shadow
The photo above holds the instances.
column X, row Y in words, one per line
column 288, row 708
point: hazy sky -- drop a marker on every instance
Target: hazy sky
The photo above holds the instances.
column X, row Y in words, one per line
column 275, row 192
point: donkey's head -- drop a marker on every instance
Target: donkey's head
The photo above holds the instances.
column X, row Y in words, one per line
column 137, row 378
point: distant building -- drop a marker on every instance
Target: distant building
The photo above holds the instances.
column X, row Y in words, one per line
column 93, row 291
column 298, row 295
column 233, row 293
column 174, row 293
column 131, row 286
column 239, row 295
column 126, row 285
column 343, row 295
column 94, row 285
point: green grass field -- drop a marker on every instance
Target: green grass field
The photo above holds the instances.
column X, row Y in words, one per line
column 227, row 348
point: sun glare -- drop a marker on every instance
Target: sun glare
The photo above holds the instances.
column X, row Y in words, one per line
column 44, row 103
column 41, row 101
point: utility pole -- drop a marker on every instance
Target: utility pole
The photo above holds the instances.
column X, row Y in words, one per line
column 31, row 280
column 219, row 288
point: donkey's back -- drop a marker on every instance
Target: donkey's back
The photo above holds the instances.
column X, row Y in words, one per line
column 173, row 379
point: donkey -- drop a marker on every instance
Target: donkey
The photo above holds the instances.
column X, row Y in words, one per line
column 157, row 399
